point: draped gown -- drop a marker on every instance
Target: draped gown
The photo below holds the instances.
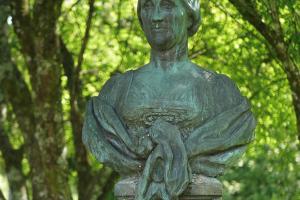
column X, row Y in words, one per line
column 164, row 127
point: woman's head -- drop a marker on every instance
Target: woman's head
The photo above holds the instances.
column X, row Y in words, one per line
column 192, row 8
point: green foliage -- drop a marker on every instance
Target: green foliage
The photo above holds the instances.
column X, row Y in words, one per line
column 225, row 43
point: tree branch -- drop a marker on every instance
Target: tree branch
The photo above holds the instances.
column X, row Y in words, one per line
column 74, row 86
column 46, row 10
column 2, row 195
column 273, row 6
column 12, row 157
column 85, row 37
column 23, row 27
column 12, row 83
column 221, row 8
column 249, row 12
column 68, row 63
column 22, row 19
column 71, row 7
column 266, row 87
column 13, row 163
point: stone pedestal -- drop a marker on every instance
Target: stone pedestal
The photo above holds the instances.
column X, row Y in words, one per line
column 201, row 188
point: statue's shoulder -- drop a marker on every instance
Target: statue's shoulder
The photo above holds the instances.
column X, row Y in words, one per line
column 115, row 86
column 201, row 73
column 226, row 90
column 117, row 80
column 223, row 82
column 144, row 69
column 221, row 86
column 216, row 79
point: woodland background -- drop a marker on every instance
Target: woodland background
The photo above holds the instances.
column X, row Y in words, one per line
column 55, row 55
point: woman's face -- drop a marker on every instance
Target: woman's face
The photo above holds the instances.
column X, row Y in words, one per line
column 165, row 22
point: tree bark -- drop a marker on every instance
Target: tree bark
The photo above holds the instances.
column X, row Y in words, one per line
column 12, row 157
column 44, row 135
column 274, row 35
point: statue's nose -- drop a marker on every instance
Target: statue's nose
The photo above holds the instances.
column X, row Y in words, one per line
column 157, row 15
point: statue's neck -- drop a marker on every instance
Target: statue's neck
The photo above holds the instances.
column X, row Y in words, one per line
column 169, row 59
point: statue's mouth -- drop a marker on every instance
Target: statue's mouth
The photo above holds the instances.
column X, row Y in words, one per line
column 158, row 27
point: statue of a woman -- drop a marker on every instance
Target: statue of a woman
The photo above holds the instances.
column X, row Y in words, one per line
column 170, row 118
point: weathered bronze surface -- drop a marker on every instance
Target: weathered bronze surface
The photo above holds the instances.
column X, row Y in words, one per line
column 170, row 118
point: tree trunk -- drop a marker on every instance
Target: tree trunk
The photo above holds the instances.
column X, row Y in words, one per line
column 44, row 134
column 12, row 158
column 293, row 75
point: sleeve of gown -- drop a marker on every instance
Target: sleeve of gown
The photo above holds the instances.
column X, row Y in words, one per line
column 103, row 132
column 223, row 138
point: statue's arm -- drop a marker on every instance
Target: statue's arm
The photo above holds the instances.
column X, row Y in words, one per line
column 110, row 121
column 104, row 133
column 104, row 146
column 105, row 106
column 232, row 127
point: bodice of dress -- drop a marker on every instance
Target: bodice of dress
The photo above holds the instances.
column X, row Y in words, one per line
column 178, row 100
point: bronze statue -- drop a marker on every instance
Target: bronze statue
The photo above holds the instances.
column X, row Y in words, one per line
column 170, row 118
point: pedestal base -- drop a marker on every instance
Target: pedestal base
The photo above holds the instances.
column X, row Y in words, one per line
column 201, row 188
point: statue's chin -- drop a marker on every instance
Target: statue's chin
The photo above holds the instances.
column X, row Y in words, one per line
column 161, row 46
column 161, row 43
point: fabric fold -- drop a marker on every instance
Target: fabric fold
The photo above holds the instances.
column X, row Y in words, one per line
column 103, row 147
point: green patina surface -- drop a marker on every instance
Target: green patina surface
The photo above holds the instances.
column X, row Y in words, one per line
column 170, row 118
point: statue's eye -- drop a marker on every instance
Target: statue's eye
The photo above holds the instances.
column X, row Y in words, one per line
column 148, row 5
column 167, row 4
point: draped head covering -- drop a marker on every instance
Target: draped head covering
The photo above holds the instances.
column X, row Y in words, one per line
column 192, row 9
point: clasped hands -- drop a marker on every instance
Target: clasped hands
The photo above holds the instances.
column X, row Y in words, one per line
column 169, row 151
column 163, row 132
